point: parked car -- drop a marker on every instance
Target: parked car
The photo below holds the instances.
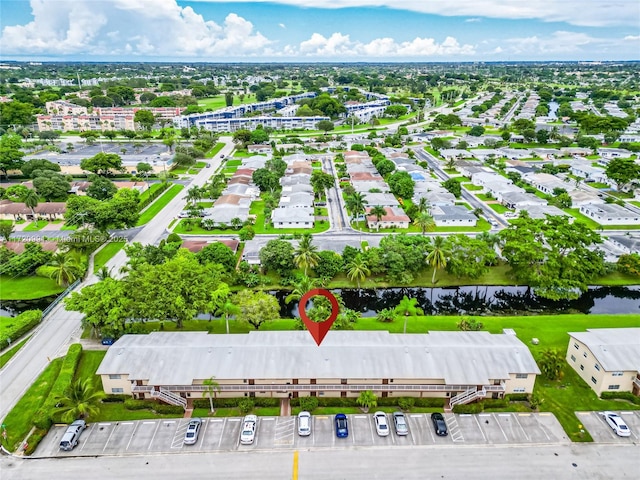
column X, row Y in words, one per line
column 382, row 426
column 400, row 423
column 616, row 422
column 439, row 424
column 107, row 341
column 193, row 429
column 72, row 435
column 342, row 428
column 304, row 424
column 183, row 215
column 208, row 165
column 248, row 429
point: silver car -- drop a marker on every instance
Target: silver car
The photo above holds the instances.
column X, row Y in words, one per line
column 400, row 423
column 193, row 429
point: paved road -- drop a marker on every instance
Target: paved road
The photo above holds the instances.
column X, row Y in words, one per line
column 558, row 462
column 52, row 336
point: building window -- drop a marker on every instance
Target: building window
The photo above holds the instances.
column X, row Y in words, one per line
column 522, row 375
column 584, row 354
column 576, row 346
column 597, row 367
column 117, row 390
column 593, row 380
column 581, row 367
column 114, row 377
column 519, row 390
column 613, row 387
column 573, row 358
column 616, row 374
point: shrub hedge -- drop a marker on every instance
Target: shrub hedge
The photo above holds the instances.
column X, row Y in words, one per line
column 153, row 195
column 469, row 408
column 621, row 396
column 46, row 414
column 15, row 327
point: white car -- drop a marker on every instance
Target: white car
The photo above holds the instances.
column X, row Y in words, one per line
column 617, row 424
column 382, row 426
column 304, row 424
column 248, row 430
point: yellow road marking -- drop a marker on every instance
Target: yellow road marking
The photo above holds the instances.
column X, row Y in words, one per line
column 295, row 466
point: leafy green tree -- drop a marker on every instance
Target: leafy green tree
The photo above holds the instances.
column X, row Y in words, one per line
column 278, row 256
column 145, row 119
column 266, row 180
column 367, row 399
column 385, row 167
column 476, row 131
column 629, row 264
column 321, row 181
column 16, row 113
column 6, row 230
column 469, row 257
column 325, row 126
column 401, row 184
column 81, row 400
column 453, row 186
column 329, row 264
column 10, row 159
column 228, row 99
column 437, row 257
column 555, row 257
column 218, row 252
column 121, row 211
column 395, row 111
column 242, row 137
column 31, row 166
column 51, row 185
column 259, row 135
column 407, row 307
column 306, row 255
column 211, row 388
column 225, row 306
column 357, row 269
column 551, row 362
column 623, row 171
column 256, row 308
column 101, row 188
column 144, row 169
column 302, row 285
column 102, row 163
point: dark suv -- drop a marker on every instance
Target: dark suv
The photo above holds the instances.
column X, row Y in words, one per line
column 439, row 424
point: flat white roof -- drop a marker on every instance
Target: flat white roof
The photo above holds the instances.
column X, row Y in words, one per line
column 179, row 358
column 616, row 349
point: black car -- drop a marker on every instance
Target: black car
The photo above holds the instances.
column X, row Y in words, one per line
column 439, row 424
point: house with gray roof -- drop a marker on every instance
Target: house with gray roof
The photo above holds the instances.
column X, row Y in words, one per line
column 607, row 359
column 610, row 214
column 627, row 243
column 520, row 200
column 453, row 216
column 541, row 211
column 173, row 366
column 292, row 217
column 382, row 199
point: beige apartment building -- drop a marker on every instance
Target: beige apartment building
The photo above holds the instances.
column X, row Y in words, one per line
column 461, row 366
column 608, row 359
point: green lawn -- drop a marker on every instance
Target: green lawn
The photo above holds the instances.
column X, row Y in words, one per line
column 214, row 150
column 19, row 420
column 471, row 187
column 105, row 254
column 233, row 163
column 160, row 202
column 575, row 212
column 499, row 208
column 27, row 288
column 599, row 185
column 152, row 188
column 35, row 226
column 8, row 355
column 218, row 102
column 485, row 196
column 89, row 363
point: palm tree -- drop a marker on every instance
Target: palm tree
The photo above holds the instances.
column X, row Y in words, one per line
column 355, row 203
column 212, row 388
column 80, row 400
column 67, row 268
column 437, row 258
column 357, row 269
column 227, row 308
column 425, row 222
column 423, row 205
column 379, row 212
column 367, row 399
column 194, row 194
column 408, row 307
column 104, row 273
column 302, row 286
column 307, row 254
column 236, row 223
column 31, row 200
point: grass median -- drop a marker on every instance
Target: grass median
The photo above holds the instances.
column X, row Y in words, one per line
column 152, row 210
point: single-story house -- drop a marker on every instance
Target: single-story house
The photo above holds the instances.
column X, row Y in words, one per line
column 580, row 197
column 382, row 199
column 365, row 187
column 297, row 199
column 295, row 179
column 394, row 218
column 607, row 359
column 255, row 162
column 541, row 211
column 520, row 200
column 228, row 207
column 613, row 152
column 194, row 246
column 610, row 214
column 588, row 171
column 456, row 153
column 263, row 148
column 482, row 178
column 19, row 247
column 292, row 217
column 173, row 366
column 626, row 243
column 453, row 216
column 435, row 197
column 546, row 182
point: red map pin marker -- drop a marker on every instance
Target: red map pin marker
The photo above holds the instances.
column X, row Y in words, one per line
column 318, row 330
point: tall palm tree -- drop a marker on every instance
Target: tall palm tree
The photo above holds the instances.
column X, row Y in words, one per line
column 379, row 212
column 407, row 307
column 357, row 269
column 437, row 257
column 302, row 286
column 355, row 203
column 423, row 205
column 228, row 309
column 80, row 400
column 211, row 388
column 104, row 273
column 67, row 268
column 425, row 222
column 31, row 200
column 194, row 194
column 307, row 254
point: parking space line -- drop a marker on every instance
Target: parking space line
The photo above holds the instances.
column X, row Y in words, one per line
column 126, row 423
column 154, row 434
column 222, row 432
column 267, row 418
column 523, row 430
column 202, row 434
column 480, row 428
column 233, row 419
column 132, row 435
column 86, row 438
column 218, row 420
column 372, row 427
column 501, row 429
column 604, row 422
column 107, row 442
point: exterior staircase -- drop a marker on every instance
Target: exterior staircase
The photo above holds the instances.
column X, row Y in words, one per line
column 169, row 397
column 467, row 396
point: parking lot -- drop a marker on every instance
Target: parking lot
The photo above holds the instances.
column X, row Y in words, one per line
column 601, row 432
column 223, row 434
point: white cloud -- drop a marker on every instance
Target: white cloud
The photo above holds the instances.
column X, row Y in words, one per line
column 282, row 25
column 632, row 38
column 339, row 45
column 132, row 27
column 558, row 42
column 473, row 20
column 575, row 12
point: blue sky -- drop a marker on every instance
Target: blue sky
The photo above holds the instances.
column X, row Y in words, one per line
column 320, row 30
